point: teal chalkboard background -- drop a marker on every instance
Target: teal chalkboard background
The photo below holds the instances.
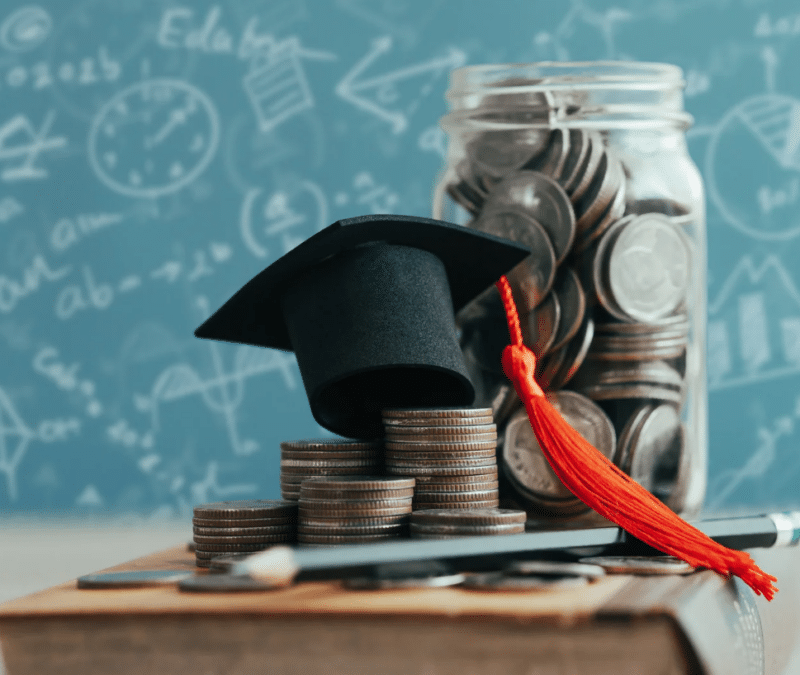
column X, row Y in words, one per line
column 155, row 155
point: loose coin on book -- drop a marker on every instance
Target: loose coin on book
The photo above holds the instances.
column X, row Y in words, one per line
column 641, row 564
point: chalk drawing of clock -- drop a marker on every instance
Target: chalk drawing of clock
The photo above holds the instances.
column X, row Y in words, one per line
column 153, row 138
column 753, row 167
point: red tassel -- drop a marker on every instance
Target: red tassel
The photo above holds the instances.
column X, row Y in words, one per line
column 599, row 484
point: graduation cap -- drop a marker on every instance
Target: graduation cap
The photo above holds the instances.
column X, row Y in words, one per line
column 367, row 305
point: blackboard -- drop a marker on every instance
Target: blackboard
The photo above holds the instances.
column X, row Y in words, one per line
column 121, row 229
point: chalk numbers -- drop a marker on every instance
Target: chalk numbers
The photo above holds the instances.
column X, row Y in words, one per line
column 153, row 138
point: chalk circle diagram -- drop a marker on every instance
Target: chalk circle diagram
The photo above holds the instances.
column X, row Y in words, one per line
column 25, row 29
column 153, row 138
column 753, row 167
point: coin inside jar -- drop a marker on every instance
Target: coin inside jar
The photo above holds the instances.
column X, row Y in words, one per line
column 649, row 268
column 542, row 198
column 533, row 277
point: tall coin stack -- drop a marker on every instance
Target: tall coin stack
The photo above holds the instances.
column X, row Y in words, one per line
column 327, row 457
column 450, row 452
column 603, row 300
column 244, row 526
column 449, row 523
column 353, row 509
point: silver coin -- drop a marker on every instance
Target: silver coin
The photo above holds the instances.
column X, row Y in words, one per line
column 225, row 583
column 423, row 439
column 554, row 159
column 440, row 423
column 428, row 484
column 133, row 578
column 539, row 326
column 645, row 565
column 678, row 324
column 353, row 530
column 533, row 277
column 436, row 430
column 328, row 463
column 632, row 391
column 433, row 415
column 353, row 505
column 471, row 517
column 423, row 504
column 201, row 539
column 631, row 372
column 657, row 437
column 314, row 493
column 542, row 198
column 499, row 582
column 607, row 219
column 242, row 531
column 360, row 483
column 578, row 157
column 589, row 170
column 495, row 154
column 331, row 455
column 330, row 444
column 245, row 522
column 574, row 355
column 326, row 521
column 380, row 584
column 466, row 530
column 409, row 460
column 225, row 561
column 594, row 204
column 437, row 446
column 629, row 433
column 523, row 456
column 245, row 508
column 554, row 568
column 649, row 268
column 448, row 455
column 572, row 300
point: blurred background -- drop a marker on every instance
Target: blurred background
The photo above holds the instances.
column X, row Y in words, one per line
column 121, row 231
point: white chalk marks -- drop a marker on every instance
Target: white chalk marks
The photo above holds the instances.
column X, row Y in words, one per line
column 21, row 144
column 759, row 198
column 289, row 216
column 754, row 326
column 153, row 138
column 25, row 29
column 223, row 392
column 393, row 96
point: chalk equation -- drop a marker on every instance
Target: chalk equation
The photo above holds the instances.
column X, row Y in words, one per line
column 21, row 145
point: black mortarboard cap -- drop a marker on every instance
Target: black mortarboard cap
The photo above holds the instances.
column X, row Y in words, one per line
column 367, row 305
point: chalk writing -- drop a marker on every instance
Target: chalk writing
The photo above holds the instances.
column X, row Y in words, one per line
column 84, row 72
column 291, row 215
column 380, row 95
column 12, row 291
column 784, row 26
column 770, row 198
column 21, row 144
column 69, row 231
column 91, row 295
column 25, row 29
column 10, row 208
column 46, row 362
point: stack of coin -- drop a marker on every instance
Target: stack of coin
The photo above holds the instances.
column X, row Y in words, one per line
column 528, row 470
column 353, row 509
column 327, row 457
column 244, row 526
column 449, row 523
column 451, row 452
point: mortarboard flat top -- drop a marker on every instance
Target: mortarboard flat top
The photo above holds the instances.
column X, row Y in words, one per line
column 367, row 305
column 473, row 261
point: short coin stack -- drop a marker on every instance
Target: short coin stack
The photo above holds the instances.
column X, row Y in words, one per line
column 244, row 526
column 449, row 523
column 327, row 457
column 451, row 452
column 353, row 509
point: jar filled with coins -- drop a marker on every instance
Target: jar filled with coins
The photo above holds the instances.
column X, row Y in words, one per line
column 587, row 165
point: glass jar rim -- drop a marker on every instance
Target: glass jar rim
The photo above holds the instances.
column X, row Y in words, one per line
column 554, row 75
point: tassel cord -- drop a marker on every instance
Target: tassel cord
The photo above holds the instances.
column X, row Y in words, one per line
column 602, row 486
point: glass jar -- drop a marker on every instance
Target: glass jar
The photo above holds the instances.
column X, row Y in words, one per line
column 587, row 164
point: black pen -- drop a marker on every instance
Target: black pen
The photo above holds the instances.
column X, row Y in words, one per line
column 281, row 564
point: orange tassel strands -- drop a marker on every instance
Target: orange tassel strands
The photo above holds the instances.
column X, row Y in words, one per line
column 599, row 484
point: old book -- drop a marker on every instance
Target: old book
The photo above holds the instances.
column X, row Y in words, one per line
column 667, row 625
